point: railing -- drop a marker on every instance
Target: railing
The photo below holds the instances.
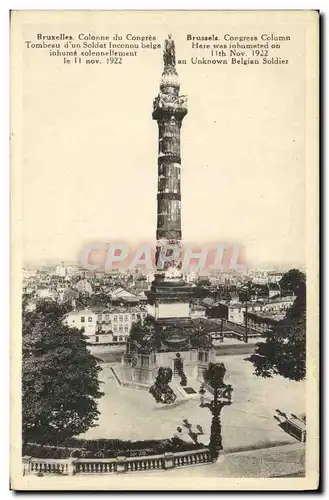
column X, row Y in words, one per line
column 95, row 466
column 46, row 466
column 186, row 458
column 116, row 376
column 72, row 466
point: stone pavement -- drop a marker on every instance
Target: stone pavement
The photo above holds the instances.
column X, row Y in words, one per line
column 277, row 461
column 248, row 423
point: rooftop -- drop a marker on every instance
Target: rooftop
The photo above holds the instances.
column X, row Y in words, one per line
column 117, row 309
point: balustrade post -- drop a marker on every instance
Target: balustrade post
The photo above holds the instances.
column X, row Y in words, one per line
column 71, row 466
column 169, row 461
column 26, row 465
column 121, row 464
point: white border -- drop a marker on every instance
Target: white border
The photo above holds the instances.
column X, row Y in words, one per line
column 321, row 5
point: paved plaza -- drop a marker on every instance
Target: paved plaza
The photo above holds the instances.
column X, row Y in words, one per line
column 247, row 423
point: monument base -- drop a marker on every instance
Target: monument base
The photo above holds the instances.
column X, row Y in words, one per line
column 140, row 370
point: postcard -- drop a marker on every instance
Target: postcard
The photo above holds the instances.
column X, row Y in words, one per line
column 164, row 242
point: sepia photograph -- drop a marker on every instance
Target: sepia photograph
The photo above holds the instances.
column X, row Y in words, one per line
column 164, row 243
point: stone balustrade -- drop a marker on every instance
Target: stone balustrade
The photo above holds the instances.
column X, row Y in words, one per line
column 74, row 466
column 47, row 466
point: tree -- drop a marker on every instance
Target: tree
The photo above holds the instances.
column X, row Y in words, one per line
column 295, row 281
column 59, row 377
column 284, row 349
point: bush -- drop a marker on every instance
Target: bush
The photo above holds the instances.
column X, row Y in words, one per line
column 107, row 448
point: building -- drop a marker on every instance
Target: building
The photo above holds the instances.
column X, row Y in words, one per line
column 120, row 295
column 73, row 270
column 279, row 304
column 29, row 273
column 29, row 287
column 118, row 321
column 235, row 311
column 109, row 326
column 263, row 321
column 274, row 277
column 46, row 293
column 142, row 298
column 60, row 270
column 70, row 296
column 84, row 319
column 198, row 311
column 83, row 286
column 274, row 289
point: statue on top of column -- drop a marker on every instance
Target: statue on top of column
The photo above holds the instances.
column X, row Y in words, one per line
column 169, row 52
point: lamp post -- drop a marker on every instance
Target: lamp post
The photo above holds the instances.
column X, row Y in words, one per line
column 222, row 397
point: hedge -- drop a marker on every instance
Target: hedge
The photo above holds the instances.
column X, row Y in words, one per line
column 107, row 448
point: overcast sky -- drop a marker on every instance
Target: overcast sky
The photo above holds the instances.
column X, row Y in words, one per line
column 89, row 153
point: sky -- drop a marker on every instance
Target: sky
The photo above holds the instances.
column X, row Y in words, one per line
column 89, row 145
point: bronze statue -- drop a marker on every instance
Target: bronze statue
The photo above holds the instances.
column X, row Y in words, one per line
column 169, row 52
